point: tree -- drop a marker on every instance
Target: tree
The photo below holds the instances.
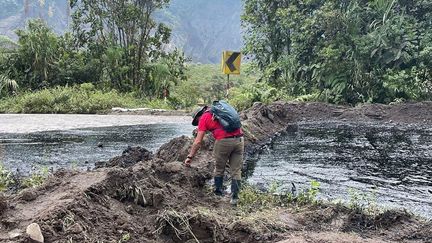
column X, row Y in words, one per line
column 43, row 59
column 7, row 86
column 123, row 34
column 37, row 54
column 346, row 51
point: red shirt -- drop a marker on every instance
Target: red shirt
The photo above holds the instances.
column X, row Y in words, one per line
column 207, row 123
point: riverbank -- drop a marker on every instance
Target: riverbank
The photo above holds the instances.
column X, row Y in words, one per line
column 148, row 111
column 157, row 199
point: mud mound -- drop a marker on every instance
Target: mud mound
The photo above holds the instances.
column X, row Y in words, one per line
column 129, row 157
column 59, row 191
column 126, row 203
column 175, row 150
column 281, row 113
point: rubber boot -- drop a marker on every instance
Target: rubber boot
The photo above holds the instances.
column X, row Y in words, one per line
column 235, row 188
column 218, row 184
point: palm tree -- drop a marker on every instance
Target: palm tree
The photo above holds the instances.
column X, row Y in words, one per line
column 7, row 84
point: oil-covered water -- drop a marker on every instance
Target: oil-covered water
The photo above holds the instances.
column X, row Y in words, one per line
column 386, row 165
column 81, row 148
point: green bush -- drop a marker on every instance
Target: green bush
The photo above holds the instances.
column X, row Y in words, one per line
column 77, row 99
column 36, row 179
column 250, row 198
column 5, row 178
column 159, row 104
column 244, row 96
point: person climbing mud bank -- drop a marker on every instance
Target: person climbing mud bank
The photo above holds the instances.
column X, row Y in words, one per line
column 144, row 197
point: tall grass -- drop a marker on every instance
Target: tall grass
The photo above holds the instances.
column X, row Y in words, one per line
column 83, row 99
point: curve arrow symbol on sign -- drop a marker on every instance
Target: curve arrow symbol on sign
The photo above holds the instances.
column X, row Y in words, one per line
column 230, row 61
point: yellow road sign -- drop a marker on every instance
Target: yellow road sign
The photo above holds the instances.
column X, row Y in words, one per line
column 231, row 62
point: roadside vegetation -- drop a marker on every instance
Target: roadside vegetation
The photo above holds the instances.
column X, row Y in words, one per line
column 339, row 52
column 123, row 61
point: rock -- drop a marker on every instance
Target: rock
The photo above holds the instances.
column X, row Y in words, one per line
column 100, row 145
column 35, row 233
column 14, row 233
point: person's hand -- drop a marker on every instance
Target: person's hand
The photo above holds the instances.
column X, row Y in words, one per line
column 188, row 162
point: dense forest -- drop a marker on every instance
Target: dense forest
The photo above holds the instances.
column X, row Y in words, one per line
column 343, row 51
column 121, row 54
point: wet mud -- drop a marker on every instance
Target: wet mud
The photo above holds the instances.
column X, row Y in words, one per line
column 160, row 200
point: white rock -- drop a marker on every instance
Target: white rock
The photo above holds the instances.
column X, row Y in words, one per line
column 14, row 233
column 35, row 233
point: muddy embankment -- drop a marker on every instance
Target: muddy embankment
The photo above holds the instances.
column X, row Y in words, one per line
column 144, row 197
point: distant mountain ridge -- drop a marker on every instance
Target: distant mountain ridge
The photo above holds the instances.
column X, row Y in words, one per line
column 202, row 28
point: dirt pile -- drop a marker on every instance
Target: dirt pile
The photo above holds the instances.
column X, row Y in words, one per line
column 160, row 200
column 129, row 157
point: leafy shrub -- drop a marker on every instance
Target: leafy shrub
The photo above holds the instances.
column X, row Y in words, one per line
column 363, row 202
column 77, row 99
column 36, row 179
column 5, row 178
column 250, row 198
column 309, row 195
column 347, row 51
column 244, row 96
column 159, row 104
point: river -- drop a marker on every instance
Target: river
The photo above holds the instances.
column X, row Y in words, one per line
column 29, row 142
column 383, row 165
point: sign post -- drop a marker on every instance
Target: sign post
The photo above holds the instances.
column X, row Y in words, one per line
column 231, row 61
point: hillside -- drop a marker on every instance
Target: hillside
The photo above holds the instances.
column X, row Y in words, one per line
column 203, row 29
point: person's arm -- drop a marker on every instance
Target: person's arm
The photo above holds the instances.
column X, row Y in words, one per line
column 195, row 147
